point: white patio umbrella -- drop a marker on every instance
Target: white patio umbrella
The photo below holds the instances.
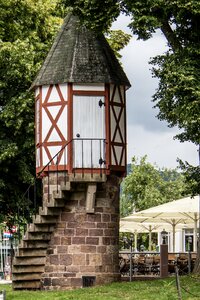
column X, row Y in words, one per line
column 135, row 228
column 141, row 226
column 182, row 211
column 172, row 212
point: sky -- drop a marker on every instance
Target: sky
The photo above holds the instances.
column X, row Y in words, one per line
column 146, row 134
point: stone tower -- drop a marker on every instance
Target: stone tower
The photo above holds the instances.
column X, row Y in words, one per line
column 81, row 155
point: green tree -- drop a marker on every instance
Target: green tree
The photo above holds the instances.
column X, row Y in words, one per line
column 117, row 40
column 148, row 186
column 177, row 96
column 97, row 15
column 26, row 31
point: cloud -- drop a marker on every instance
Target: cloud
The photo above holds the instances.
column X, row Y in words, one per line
column 140, row 110
column 135, row 60
column 160, row 149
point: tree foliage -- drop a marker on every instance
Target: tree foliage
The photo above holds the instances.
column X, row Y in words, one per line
column 97, row 15
column 117, row 40
column 192, row 177
column 148, row 186
column 178, row 93
column 26, row 31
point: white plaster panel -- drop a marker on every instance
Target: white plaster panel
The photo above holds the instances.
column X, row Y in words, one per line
column 122, row 92
column 54, row 137
column 37, row 121
column 118, row 137
column 62, row 122
column 53, row 151
column 117, row 96
column 122, row 126
column 118, row 152
column 117, row 110
column 54, row 110
column 123, row 159
column 54, row 96
column 64, row 90
column 44, row 157
column 112, row 158
column 64, row 156
column 112, row 124
column 46, row 124
column 38, row 163
column 89, row 87
column 44, row 92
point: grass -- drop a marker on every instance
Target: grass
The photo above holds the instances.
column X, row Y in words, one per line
column 160, row 289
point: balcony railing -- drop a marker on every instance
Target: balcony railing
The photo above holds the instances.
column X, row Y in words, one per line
column 87, row 156
column 147, row 264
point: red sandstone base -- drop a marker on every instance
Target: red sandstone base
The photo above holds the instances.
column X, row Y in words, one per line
column 83, row 250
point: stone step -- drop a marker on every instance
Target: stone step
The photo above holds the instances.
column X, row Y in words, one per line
column 65, row 186
column 30, row 252
column 50, row 211
column 40, row 228
column 34, row 244
column 44, row 219
column 26, row 276
column 24, row 261
column 35, row 284
column 88, row 177
column 27, row 269
column 55, row 203
column 58, row 194
column 37, row 236
column 30, row 258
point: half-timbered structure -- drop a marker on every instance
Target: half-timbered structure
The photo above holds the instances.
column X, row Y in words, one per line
column 80, row 113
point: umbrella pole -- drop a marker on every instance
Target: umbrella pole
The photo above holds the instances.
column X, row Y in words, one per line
column 173, row 228
column 195, row 233
column 135, row 240
column 150, row 237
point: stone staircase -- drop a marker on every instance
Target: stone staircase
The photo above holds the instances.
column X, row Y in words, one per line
column 30, row 258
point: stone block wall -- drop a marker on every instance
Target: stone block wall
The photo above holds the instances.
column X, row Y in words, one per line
column 85, row 244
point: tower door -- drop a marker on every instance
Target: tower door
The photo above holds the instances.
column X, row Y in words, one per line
column 88, row 131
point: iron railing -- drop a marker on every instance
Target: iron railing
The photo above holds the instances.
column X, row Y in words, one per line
column 87, row 154
column 143, row 264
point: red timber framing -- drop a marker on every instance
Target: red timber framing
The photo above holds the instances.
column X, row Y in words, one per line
column 115, row 127
column 38, row 126
column 118, row 129
column 70, row 128
column 52, row 110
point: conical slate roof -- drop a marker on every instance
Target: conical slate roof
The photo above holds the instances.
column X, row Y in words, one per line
column 81, row 56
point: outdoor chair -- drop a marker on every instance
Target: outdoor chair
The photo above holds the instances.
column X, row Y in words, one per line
column 193, row 259
column 182, row 263
column 171, row 263
column 141, row 264
column 148, row 264
column 156, row 265
column 124, row 266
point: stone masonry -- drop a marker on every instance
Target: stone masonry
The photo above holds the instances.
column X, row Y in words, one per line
column 84, row 244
